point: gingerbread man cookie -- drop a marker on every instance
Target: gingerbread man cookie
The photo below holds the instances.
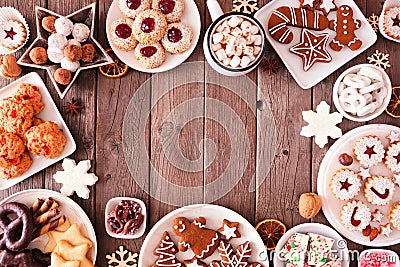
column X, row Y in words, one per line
column 345, row 26
column 202, row 241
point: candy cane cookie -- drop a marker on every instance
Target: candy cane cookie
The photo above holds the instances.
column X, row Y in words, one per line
column 285, row 16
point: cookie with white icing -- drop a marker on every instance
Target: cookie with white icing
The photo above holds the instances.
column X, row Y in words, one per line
column 12, row 34
column 229, row 230
column 345, row 184
column 379, row 190
column 391, row 22
column 392, row 157
column 355, row 215
column 369, row 150
column 394, row 215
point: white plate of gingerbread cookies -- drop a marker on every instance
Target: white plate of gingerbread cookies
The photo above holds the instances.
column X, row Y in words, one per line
column 45, row 110
column 338, row 29
column 60, row 227
column 193, row 235
column 168, row 32
column 358, row 185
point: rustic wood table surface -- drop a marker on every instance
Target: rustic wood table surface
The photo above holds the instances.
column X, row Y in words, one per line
column 98, row 132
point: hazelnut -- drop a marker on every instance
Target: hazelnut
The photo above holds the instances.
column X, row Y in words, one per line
column 374, row 234
column 367, row 231
column 345, row 159
column 309, row 205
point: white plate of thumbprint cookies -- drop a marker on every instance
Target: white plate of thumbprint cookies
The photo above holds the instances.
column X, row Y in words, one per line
column 315, row 38
column 153, row 36
column 201, row 235
column 358, row 182
column 33, row 134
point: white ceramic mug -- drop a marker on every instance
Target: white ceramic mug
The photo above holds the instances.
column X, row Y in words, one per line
column 218, row 17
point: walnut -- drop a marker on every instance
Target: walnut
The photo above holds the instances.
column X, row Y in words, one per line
column 309, row 205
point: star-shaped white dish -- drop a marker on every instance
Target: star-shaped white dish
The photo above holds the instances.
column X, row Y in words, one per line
column 85, row 15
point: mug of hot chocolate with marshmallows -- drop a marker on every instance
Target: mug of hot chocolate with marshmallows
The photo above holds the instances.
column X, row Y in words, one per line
column 234, row 43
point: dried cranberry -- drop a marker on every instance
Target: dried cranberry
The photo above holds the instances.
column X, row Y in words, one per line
column 26, row 97
column 166, row 6
column 133, row 4
column 14, row 113
column 3, row 140
column 174, row 35
column 148, row 25
column 123, row 31
column 148, row 51
column 46, row 150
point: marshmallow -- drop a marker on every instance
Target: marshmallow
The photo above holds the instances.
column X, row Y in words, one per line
column 238, row 52
column 356, row 81
column 235, row 62
column 221, row 55
column 216, row 47
column 241, row 42
column 371, row 73
column 245, row 26
column 234, row 21
column 256, row 50
column 217, row 38
column 236, row 32
column 257, row 39
column 254, row 29
column 248, row 50
column 227, row 62
column 245, row 62
column 230, row 50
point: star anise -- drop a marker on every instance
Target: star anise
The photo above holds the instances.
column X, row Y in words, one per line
column 270, row 65
column 73, row 107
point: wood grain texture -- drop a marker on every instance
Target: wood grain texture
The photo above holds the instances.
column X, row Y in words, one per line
column 169, row 139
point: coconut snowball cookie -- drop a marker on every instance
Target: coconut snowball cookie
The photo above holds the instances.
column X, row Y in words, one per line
column 392, row 158
column 12, row 34
column 16, row 167
column 15, row 117
column 63, row 26
column 122, row 34
column 149, row 26
column 11, row 146
column 171, row 9
column 55, row 55
column 369, row 150
column 57, row 41
column 80, row 32
column 131, row 8
column 378, row 190
column 355, row 215
column 177, row 38
column 28, row 93
column 150, row 56
column 72, row 66
column 46, row 140
column 345, row 184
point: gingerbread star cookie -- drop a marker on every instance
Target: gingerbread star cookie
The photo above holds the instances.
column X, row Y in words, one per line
column 229, row 230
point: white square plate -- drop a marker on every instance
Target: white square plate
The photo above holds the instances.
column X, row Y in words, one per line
column 320, row 70
column 49, row 113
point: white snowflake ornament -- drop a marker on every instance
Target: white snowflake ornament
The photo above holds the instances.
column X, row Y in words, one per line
column 321, row 124
column 75, row 178
column 125, row 258
column 379, row 59
column 245, row 6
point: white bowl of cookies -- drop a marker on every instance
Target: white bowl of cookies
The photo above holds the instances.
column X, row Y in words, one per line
column 362, row 92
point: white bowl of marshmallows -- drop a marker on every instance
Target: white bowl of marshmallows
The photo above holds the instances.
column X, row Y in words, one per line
column 362, row 92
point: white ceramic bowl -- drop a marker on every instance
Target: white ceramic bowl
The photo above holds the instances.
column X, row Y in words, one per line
column 393, row 257
column 111, row 204
column 340, row 245
column 378, row 111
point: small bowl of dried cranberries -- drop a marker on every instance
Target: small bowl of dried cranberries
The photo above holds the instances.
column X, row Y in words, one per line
column 125, row 217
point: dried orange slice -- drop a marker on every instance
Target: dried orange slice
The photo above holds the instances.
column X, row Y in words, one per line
column 116, row 69
column 271, row 230
column 393, row 109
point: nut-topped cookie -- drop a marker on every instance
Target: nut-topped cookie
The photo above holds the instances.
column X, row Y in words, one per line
column 378, row 190
column 171, row 9
column 15, row 167
column 177, row 38
column 46, row 140
column 122, row 34
column 29, row 93
column 15, row 117
column 11, row 146
column 131, row 8
column 149, row 26
column 345, row 184
column 369, row 150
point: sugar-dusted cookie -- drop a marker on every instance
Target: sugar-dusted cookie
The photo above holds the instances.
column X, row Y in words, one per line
column 202, row 241
column 229, row 230
column 285, row 16
column 345, row 26
column 165, row 252
column 327, row 6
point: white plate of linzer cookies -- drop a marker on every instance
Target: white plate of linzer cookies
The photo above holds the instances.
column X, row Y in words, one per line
column 54, row 230
column 315, row 38
column 33, row 133
column 358, row 182
column 225, row 236
column 153, row 36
